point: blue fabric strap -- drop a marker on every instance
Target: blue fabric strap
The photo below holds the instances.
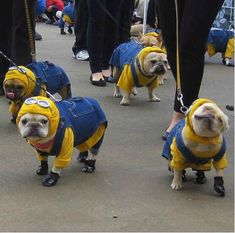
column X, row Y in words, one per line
column 190, row 157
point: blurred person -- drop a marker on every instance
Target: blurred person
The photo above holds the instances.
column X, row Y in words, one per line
column 195, row 21
column 52, row 6
column 14, row 37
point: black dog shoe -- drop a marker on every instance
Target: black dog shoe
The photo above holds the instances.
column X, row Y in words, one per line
column 42, row 169
column 89, row 166
column 184, row 178
column 51, row 180
column 219, row 185
column 82, row 157
column 200, row 178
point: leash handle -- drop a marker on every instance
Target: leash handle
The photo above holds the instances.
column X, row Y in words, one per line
column 183, row 108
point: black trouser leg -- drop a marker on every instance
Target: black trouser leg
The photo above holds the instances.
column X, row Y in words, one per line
column 195, row 20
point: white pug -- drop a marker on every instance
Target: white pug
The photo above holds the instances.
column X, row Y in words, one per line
column 197, row 142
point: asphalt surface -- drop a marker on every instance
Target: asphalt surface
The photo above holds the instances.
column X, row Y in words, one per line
column 130, row 190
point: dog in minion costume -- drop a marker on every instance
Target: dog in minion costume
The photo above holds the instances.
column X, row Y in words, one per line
column 221, row 41
column 37, row 78
column 55, row 128
column 67, row 18
column 137, row 66
column 196, row 142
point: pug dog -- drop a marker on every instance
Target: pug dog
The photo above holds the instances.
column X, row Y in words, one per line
column 221, row 41
column 35, row 79
column 55, row 128
column 197, row 142
column 136, row 66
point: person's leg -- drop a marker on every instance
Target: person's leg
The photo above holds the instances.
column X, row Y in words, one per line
column 20, row 45
column 80, row 27
column 125, row 19
column 194, row 30
column 111, row 33
column 5, row 39
column 95, row 38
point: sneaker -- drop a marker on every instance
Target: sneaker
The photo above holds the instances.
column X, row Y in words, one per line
column 37, row 36
column 82, row 55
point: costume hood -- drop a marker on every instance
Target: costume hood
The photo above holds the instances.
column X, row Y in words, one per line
column 26, row 76
column 189, row 126
column 51, row 112
column 145, row 51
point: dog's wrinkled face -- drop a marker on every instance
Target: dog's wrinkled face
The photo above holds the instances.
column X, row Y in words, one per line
column 34, row 126
column 155, row 64
column 209, row 121
column 14, row 89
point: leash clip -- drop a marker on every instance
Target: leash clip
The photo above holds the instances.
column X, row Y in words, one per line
column 183, row 108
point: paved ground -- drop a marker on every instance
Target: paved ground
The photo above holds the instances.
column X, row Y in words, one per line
column 130, row 190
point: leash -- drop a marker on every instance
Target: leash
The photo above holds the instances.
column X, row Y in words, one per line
column 30, row 31
column 28, row 77
column 183, row 108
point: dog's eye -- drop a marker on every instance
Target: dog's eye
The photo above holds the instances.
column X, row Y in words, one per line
column 153, row 62
column 44, row 121
column 19, row 87
column 6, row 86
column 165, row 62
column 24, row 122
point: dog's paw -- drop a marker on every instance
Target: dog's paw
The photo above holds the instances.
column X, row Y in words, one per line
column 117, row 94
column 161, row 82
column 13, row 120
column 176, row 185
column 134, row 91
column 51, row 180
column 89, row 166
column 219, row 185
column 154, row 98
column 125, row 102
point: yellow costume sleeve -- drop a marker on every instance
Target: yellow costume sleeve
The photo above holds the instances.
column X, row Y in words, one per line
column 229, row 49
column 14, row 109
column 64, row 157
column 221, row 164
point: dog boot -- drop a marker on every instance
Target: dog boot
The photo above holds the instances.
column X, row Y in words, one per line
column 89, row 166
column 70, row 30
column 219, row 185
column 42, row 169
column 82, row 157
column 184, row 178
column 62, row 32
column 51, row 180
column 200, row 178
column 13, row 120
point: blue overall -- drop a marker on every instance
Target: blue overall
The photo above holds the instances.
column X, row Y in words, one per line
column 69, row 11
column 176, row 132
column 52, row 75
column 219, row 39
column 125, row 54
column 83, row 115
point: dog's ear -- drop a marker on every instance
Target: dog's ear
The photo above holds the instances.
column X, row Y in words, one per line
column 226, row 125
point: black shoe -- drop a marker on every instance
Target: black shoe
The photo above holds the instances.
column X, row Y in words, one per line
column 230, row 107
column 37, row 36
column 82, row 157
column 99, row 83
column 42, row 169
column 109, row 79
column 70, row 30
column 51, row 180
column 200, row 178
column 89, row 166
column 62, row 32
column 219, row 185
column 165, row 135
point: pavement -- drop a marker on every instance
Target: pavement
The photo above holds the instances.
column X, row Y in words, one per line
column 130, row 190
